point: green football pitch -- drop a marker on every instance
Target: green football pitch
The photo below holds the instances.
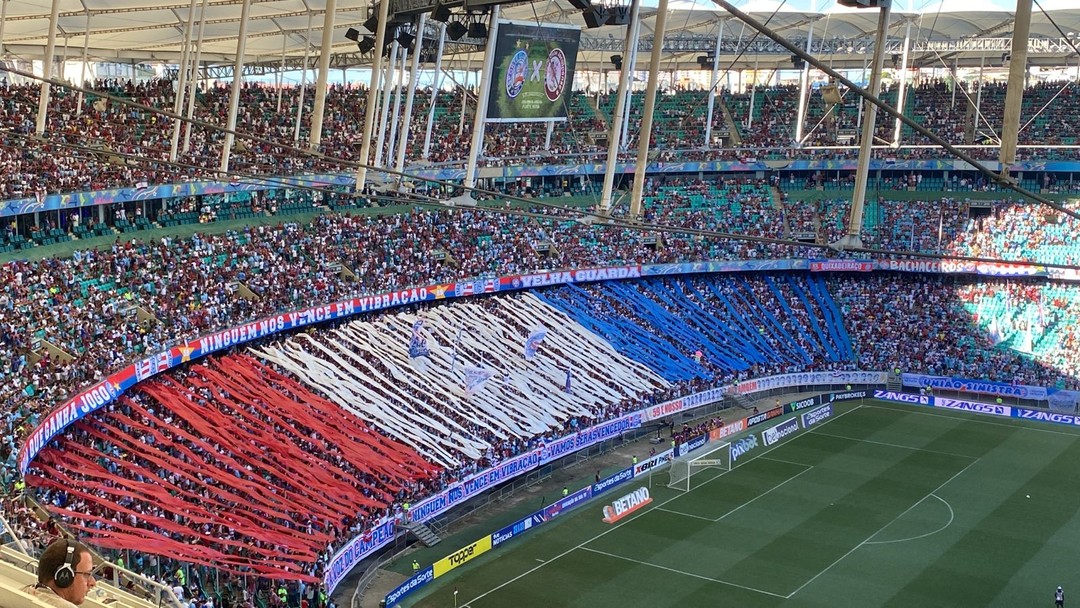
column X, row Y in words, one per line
column 882, row 505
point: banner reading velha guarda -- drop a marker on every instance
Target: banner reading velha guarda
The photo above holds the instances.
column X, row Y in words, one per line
column 533, row 71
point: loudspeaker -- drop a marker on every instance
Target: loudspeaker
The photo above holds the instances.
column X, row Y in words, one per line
column 595, row 16
column 372, row 24
column 406, row 39
column 618, row 15
column 456, row 30
column 440, row 13
column 616, row 60
column 477, row 30
column 352, row 34
column 366, row 44
column 581, row 4
column 830, row 94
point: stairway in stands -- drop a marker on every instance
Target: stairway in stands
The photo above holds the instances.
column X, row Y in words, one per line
column 423, row 533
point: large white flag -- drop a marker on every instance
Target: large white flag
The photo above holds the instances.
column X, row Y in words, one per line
column 475, row 378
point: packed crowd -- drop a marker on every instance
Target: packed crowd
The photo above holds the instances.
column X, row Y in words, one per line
column 101, row 309
column 178, row 426
column 243, row 511
column 937, row 335
column 94, row 143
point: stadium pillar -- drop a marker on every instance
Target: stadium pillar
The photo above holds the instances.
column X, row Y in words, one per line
column 436, row 83
column 391, row 143
column 547, row 134
column 303, row 81
column 85, row 53
column 181, row 82
column 193, row 84
column 414, row 71
column 482, row 102
column 373, row 87
column 464, row 96
column 866, row 141
column 3, row 18
column 1014, row 94
column 280, row 80
column 753, row 96
column 631, row 62
column 714, row 83
column 324, row 72
column 238, row 75
column 858, row 120
column 955, row 80
column 47, row 67
column 645, row 132
column 384, row 109
column 978, row 97
column 804, row 84
column 901, row 94
column 61, row 63
column 620, row 106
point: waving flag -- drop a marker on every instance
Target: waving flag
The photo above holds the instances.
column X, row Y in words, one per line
column 475, row 378
column 995, row 332
column 532, row 343
column 418, row 346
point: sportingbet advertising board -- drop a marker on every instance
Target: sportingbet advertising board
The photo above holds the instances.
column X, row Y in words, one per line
column 532, row 72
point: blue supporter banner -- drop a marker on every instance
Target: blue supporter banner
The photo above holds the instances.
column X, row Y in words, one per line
column 985, row 387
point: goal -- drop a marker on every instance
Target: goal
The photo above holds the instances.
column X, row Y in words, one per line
column 683, row 469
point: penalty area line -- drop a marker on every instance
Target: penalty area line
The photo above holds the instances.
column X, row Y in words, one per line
column 683, row 572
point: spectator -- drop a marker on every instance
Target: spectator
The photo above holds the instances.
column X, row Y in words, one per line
column 65, row 574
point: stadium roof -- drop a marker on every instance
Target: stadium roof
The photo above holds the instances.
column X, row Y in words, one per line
column 153, row 30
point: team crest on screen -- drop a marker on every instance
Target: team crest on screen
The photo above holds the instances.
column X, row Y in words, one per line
column 515, row 73
column 555, row 77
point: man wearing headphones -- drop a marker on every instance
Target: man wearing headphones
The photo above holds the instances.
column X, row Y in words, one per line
column 64, row 574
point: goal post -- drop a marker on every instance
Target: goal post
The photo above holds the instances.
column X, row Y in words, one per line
column 683, row 469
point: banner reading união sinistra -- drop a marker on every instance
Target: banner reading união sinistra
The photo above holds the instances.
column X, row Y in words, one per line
column 532, row 72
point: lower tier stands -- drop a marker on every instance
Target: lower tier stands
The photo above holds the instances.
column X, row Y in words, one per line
column 230, row 461
column 228, row 464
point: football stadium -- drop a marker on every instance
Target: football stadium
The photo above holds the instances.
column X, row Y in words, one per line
column 584, row 303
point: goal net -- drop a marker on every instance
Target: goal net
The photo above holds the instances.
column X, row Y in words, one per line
column 683, row 469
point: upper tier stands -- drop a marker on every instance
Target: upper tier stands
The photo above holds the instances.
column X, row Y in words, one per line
column 101, row 130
